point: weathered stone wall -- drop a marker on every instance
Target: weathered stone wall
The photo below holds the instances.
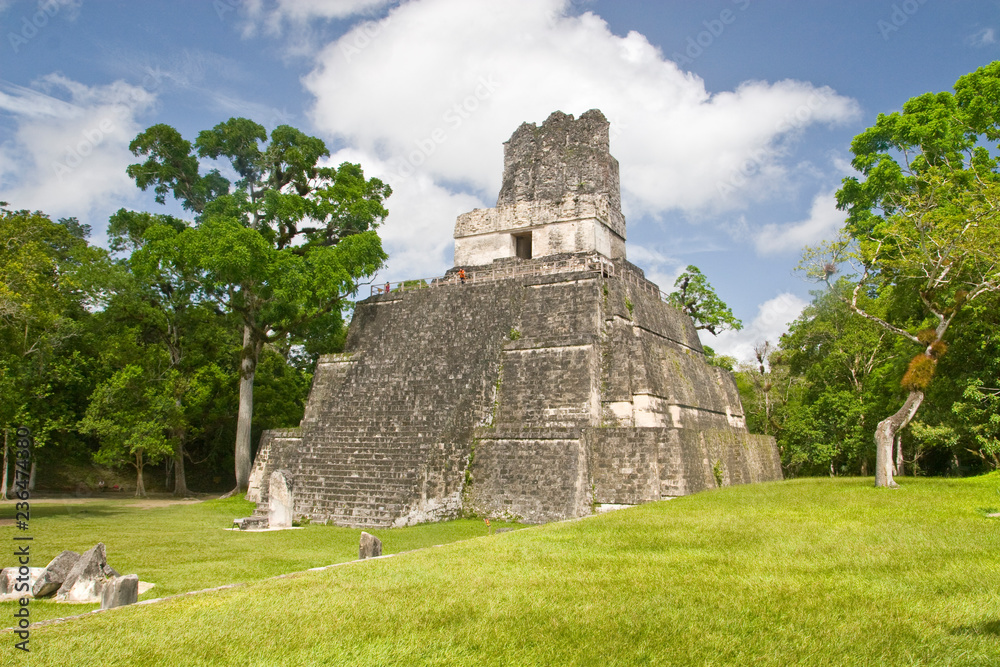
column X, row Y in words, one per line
column 532, row 475
column 388, row 426
column 629, row 466
column 532, row 397
column 560, row 184
column 563, row 156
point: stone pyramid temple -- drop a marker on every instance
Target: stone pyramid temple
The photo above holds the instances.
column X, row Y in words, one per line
column 542, row 378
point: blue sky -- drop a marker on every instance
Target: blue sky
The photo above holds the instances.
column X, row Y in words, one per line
column 732, row 119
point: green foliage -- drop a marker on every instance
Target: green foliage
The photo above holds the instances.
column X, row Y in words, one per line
column 50, row 280
column 695, row 296
column 718, row 473
column 282, row 248
column 130, row 414
column 979, row 412
column 722, row 361
column 515, row 334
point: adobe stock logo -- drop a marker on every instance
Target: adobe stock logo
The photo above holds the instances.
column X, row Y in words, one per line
column 31, row 26
column 697, row 44
column 901, row 13
column 453, row 117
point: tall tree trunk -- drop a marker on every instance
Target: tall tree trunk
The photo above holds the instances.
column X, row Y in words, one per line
column 3, row 489
column 180, row 479
column 900, row 472
column 32, row 475
column 140, row 487
column 248, row 367
column 885, row 437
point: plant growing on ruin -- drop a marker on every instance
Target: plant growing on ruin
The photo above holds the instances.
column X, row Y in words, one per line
column 718, row 473
column 695, row 296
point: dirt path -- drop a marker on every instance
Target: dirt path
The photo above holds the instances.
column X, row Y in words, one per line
column 150, row 502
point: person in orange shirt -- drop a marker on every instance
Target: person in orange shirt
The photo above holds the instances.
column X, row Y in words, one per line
column 461, row 275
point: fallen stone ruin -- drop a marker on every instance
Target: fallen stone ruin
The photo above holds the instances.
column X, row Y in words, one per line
column 72, row 577
column 543, row 378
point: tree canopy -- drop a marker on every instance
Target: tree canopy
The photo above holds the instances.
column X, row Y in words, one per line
column 695, row 296
column 922, row 224
column 281, row 247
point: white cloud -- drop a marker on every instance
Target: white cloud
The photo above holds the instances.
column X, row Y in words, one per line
column 297, row 18
column 440, row 84
column 823, row 222
column 68, row 152
column 772, row 320
column 659, row 268
column 303, row 10
column 983, row 37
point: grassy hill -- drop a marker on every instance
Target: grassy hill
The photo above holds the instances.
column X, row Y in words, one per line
column 809, row 572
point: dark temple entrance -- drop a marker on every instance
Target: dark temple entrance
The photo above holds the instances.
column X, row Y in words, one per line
column 522, row 245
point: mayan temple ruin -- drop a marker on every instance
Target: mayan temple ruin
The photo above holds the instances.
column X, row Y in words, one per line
column 542, row 378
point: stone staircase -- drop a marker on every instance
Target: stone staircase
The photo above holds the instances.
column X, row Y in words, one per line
column 388, row 426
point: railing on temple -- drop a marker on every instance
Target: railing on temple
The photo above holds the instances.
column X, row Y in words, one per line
column 594, row 263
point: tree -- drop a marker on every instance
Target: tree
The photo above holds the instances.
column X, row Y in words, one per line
column 844, row 364
column 50, row 280
column 765, row 387
column 160, row 296
column 282, row 247
column 695, row 296
column 923, row 223
column 130, row 413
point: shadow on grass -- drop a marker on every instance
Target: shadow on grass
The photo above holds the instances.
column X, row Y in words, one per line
column 39, row 511
column 991, row 627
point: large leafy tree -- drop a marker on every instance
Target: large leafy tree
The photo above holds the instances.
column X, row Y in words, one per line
column 923, row 222
column 282, row 246
column 158, row 300
column 50, row 280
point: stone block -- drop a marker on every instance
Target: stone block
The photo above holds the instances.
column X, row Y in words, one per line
column 55, row 574
column 120, row 591
column 86, row 580
column 9, row 583
column 281, row 502
column 370, row 546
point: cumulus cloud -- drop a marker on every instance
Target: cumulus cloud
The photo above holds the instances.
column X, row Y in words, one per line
column 983, row 37
column 772, row 320
column 437, row 85
column 69, row 148
column 823, row 222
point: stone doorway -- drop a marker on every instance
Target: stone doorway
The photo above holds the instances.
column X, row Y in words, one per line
column 522, row 245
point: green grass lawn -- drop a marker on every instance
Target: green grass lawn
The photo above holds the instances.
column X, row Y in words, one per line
column 185, row 548
column 805, row 572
